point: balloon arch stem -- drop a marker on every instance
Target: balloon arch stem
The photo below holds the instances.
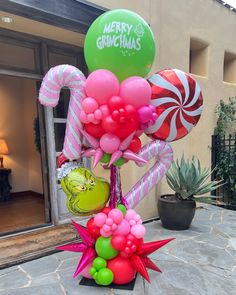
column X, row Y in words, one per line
column 116, row 195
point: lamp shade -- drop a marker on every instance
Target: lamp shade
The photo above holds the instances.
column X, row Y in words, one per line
column 3, row 147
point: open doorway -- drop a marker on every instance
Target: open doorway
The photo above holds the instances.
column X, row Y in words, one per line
column 23, row 193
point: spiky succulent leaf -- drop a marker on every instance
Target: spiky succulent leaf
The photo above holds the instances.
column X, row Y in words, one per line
column 187, row 178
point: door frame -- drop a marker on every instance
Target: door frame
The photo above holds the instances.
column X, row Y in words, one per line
column 42, row 47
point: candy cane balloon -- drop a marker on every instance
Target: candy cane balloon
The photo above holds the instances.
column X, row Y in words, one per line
column 164, row 154
column 71, row 77
column 178, row 101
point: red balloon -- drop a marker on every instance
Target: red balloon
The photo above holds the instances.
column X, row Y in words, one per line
column 106, row 210
column 109, row 125
column 122, row 269
column 118, row 242
column 135, row 145
column 93, row 229
column 94, row 130
column 115, row 102
column 178, row 101
column 125, row 129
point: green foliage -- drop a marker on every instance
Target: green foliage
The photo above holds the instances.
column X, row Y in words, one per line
column 226, row 125
column 188, row 179
column 226, row 113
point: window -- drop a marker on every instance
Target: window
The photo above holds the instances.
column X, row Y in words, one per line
column 198, row 57
column 229, row 74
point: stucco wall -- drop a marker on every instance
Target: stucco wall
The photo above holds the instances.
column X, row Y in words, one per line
column 173, row 23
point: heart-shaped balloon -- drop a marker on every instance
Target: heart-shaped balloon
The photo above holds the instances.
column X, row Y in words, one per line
column 164, row 154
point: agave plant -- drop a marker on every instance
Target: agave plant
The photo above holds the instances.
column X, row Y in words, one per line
column 188, row 179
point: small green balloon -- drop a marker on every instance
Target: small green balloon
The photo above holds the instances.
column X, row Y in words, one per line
column 119, row 162
column 104, row 248
column 106, row 158
column 99, row 263
column 104, row 277
column 120, row 41
column 121, row 208
column 92, row 271
column 95, row 275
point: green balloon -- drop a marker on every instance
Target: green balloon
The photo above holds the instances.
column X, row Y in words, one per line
column 104, row 248
column 106, row 158
column 119, row 162
column 92, row 271
column 104, row 277
column 121, row 208
column 120, row 41
column 99, row 263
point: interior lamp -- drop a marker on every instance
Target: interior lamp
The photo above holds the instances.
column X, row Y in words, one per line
column 3, row 150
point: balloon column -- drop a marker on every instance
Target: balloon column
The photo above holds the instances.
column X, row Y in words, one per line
column 113, row 247
column 108, row 112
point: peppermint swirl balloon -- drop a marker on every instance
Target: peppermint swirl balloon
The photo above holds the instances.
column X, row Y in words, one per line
column 178, row 100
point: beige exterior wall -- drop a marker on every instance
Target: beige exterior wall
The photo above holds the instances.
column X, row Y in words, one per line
column 173, row 23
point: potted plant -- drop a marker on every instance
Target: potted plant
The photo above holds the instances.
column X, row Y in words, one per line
column 188, row 180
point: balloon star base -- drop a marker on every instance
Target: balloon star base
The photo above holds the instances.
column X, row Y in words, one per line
column 91, row 283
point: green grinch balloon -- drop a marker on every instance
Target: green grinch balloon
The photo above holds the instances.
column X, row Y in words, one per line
column 86, row 193
column 122, row 42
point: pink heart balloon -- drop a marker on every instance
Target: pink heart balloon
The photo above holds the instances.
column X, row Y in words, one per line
column 164, row 154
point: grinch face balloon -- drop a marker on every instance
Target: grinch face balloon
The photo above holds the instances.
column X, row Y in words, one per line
column 87, row 194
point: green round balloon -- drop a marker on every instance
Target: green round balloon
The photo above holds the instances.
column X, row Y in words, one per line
column 121, row 208
column 120, row 41
column 119, row 162
column 106, row 158
column 104, row 248
column 99, row 263
column 92, row 271
column 104, row 277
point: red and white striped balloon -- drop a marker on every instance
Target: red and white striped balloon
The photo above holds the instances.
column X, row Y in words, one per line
column 178, row 101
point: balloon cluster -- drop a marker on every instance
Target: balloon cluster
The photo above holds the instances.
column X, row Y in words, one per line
column 111, row 112
column 113, row 247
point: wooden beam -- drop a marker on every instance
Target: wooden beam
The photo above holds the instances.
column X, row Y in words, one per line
column 74, row 15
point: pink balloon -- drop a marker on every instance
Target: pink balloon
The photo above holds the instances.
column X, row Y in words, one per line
column 138, row 231
column 105, row 110
column 100, row 219
column 123, row 228
column 109, row 143
column 85, row 272
column 130, row 213
column 105, row 234
column 83, row 117
column 89, row 105
column 135, row 91
column 98, row 114
column 116, row 215
column 144, row 114
column 101, row 85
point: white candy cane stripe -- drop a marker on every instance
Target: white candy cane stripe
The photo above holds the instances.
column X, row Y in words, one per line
column 71, row 77
column 178, row 101
column 164, row 154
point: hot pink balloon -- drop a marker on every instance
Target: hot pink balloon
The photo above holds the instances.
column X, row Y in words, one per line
column 85, row 272
column 100, row 219
column 116, row 215
column 109, row 143
column 89, row 105
column 138, row 231
column 101, row 85
column 135, row 91
column 123, row 228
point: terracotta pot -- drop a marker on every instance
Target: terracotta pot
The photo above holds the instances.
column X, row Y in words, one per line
column 176, row 214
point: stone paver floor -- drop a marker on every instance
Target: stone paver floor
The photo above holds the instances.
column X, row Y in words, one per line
column 202, row 260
